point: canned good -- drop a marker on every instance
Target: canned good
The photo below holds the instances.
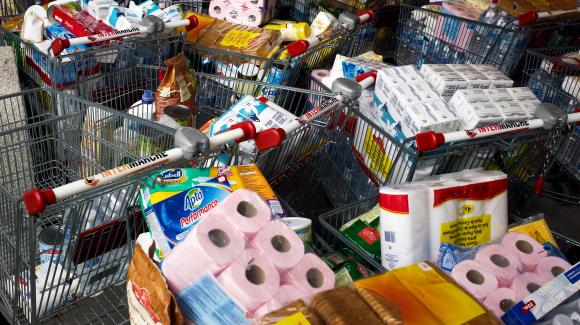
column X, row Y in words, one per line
column 301, row 226
column 277, row 75
column 52, row 244
column 181, row 114
column 246, row 71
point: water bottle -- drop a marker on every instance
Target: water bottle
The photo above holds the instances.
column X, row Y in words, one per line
column 491, row 14
column 143, row 109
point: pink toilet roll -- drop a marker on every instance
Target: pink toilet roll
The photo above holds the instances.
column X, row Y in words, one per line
column 279, row 244
column 501, row 262
column 285, row 294
column 311, row 275
column 218, row 8
column 246, row 211
column 500, row 301
column 251, row 279
column 210, row 247
column 524, row 247
column 551, row 266
column 526, row 283
column 475, row 278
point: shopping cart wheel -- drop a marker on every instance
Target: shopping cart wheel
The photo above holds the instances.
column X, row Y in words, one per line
column 347, row 88
column 552, row 115
column 191, row 141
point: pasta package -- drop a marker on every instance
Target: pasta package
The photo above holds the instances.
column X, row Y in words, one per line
column 223, row 35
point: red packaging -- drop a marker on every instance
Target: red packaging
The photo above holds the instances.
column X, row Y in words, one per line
column 77, row 21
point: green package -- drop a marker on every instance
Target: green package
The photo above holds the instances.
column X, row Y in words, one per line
column 334, row 259
column 349, row 272
column 365, row 237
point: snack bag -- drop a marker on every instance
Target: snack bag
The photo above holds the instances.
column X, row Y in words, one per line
column 177, row 87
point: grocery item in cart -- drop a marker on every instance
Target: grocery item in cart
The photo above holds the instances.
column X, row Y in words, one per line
column 465, row 208
column 295, row 312
column 365, row 235
column 122, row 18
column 289, row 30
column 177, row 87
column 263, row 113
column 345, row 67
column 249, row 13
column 77, row 21
column 33, row 24
column 84, row 66
column 186, row 195
column 100, row 9
column 223, row 35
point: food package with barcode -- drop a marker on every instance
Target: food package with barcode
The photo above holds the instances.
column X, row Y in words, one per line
column 264, row 114
column 177, row 87
column 364, row 232
column 466, row 208
column 403, row 105
column 180, row 198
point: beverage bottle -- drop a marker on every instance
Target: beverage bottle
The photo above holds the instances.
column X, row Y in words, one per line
column 504, row 18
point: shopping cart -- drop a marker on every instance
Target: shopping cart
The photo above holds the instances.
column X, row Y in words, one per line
column 50, row 68
column 430, row 36
column 554, row 79
column 285, row 66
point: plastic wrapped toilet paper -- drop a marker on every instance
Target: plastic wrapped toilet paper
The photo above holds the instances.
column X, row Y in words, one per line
column 529, row 251
column 211, row 246
column 501, row 262
column 242, row 12
column 283, row 248
column 251, row 280
column 552, row 266
column 526, row 283
column 500, row 301
column 475, row 278
column 404, row 211
column 285, row 294
column 246, row 211
column 311, row 275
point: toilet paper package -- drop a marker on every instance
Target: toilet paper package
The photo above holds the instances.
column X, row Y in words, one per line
column 465, row 208
column 182, row 197
column 247, row 13
column 475, row 79
column 475, row 109
column 537, row 304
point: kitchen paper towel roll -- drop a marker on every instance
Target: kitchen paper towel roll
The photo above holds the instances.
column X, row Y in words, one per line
column 500, row 301
column 529, row 251
column 211, row 246
column 246, row 211
column 475, row 278
column 279, row 244
column 251, row 279
column 285, row 294
column 551, row 266
column 526, row 283
column 311, row 275
column 501, row 262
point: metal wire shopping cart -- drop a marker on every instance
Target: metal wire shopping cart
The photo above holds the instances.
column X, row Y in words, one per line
column 430, row 36
column 553, row 77
column 49, row 67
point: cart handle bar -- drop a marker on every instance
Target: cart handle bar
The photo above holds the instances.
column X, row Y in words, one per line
column 301, row 46
column 432, row 140
column 60, row 44
column 531, row 16
column 35, row 201
column 345, row 90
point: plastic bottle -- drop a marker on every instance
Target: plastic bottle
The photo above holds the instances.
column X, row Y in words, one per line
column 143, row 109
column 504, row 18
column 491, row 14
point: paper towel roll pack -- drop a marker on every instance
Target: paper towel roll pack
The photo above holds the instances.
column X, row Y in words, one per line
column 466, row 208
column 249, row 13
column 253, row 264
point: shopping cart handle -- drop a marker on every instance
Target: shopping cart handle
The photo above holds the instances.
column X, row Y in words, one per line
column 59, row 45
column 35, row 201
column 366, row 16
column 269, row 138
column 248, row 128
column 297, row 47
column 429, row 140
column 528, row 18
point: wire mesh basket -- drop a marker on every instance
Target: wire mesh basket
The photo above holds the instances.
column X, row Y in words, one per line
column 429, row 36
column 553, row 77
column 64, row 70
column 77, row 247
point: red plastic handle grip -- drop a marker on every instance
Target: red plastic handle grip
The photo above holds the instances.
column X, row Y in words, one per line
column 365, row 75
column 193, row 22
column 269, row 138
column 35, row 201
column 528, row 18
column 429, row 140
column 248, row 128
column 368, row 12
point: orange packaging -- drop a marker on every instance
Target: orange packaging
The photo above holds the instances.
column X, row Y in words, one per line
column 177, row 87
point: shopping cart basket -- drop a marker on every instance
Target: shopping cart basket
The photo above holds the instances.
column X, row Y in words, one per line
column 554, row 79
column 50, row 68
column 428, row 36
column 287, row 64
